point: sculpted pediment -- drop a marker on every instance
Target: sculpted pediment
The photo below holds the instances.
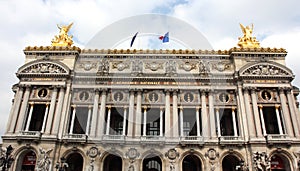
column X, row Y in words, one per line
column 43, row 67
column 265, row 69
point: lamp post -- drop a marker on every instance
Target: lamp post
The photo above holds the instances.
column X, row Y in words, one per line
column 62, row 165
column 6, row 160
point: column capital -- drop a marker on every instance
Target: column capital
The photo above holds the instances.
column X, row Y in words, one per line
column 103, row 89
column 277, row 106
column 96, row 90
column 233, row 108
column 260, row 106
column 197, row 107
column 74, row 106
column 180, row 107
column 47, row 104
column 31, row 103
column 217, row 109
column 108, row 106
column 125, row 107
column 90, row 106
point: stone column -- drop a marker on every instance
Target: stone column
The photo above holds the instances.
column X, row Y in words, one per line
column 101, row 118
column 211, row 115
column 167, row 115
column 218, row 122
column 108, row 120
column 286, row 113
column 12, row 121
column 87, row 129
column 198, row 121
column 65, row 112
column 58, row 111
column 29, row 116
column 95, row 114
column 240, row 118
column 175, row 115
column 22, row 114
column 234, row 122
column 124, row 121
column 45, row 118
column 72, row 120
column 258, row 126
column 51, row 110
column 249, row 114
column 131, row 118
column 161, row 119
column 138, row 114
column 278, row 119
column 181, row 121
column 145, row 121
column 262, row 120
column 204, row 119
column 293, row 113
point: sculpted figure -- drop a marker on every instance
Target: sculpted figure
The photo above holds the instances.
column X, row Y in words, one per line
column 63, row 39
column 44, row 160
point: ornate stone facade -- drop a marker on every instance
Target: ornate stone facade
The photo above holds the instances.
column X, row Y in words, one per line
column 164, row 110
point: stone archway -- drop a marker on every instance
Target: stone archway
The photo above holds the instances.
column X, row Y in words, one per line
column 112, row 163
column 152, row 163
column 75, row 162
column 26, row 161
column 191, row 163
column 280, row 163
column 230, row 163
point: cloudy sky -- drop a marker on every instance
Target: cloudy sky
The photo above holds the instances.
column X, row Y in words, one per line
column 33, row 23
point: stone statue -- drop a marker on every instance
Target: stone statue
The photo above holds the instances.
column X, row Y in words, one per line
column 261, row 161
column 248, row 41
column 63, row 39
column 131, row 168
column 44, row 161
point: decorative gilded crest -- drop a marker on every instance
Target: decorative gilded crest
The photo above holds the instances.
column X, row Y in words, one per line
column 63, row 39
column 248, row 41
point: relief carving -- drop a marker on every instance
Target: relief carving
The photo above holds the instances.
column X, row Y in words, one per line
column 103, row 67
column 44, row 68
column 120, row 65
column 261, row 161
column 187, row 66
column 44, row 161
column 204, row 67
column 221, row 66
column 171, row 68
column 87, row 66
column 265, row 70
column 137, row 67
column 154, row 66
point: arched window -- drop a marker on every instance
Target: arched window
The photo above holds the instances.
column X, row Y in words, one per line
column 280, row 163
column 75, row 162
column 230, row 163
column 27, row 161
column 191, row 163
column 152, row 163
column 112, row 163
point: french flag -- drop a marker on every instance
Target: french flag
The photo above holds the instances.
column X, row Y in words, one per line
column 164, row 38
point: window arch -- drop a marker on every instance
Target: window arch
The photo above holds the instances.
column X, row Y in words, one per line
column 230, row 163
column 75, row 162
column 152, row 163
column 192, row 163
column 112, row 163
column 26, row 161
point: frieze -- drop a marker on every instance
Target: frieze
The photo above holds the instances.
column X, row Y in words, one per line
column 103, row 67
column 44, row 68
column 154, row 66
column 221, row 66
column 188, row 66
column 87, row 66
column 171, row 69
column 265, row 69
column 120, row 65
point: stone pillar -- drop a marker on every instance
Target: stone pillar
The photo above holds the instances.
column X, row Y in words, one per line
column 51, row 110
column 286, row 113
column 29, row 116
column 22, row 114
column 249, row 114
column 58, row 111
column 45, row 118
column 65, row 112
column 204, row 119
column 101, row 118
column 145, row 121
column 198, row 121
column 138, row 114
column 234, row 122
column 12, row 121
column 181, row 121
column 87, row 129
column 278, row 119
column 108, row 120
column 258, row 126
column 241, row 116
column 72, row 120
column 167, row 115
column 175, row 115
column 218, row 122
column 95, row 114
column 161, row 119
column 293, row 113
column 131, row 118
column 124, row 121
column 262, row 120
column 211, row 115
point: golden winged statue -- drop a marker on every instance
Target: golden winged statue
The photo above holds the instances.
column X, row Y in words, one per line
column 63, row 39
column 248, row 41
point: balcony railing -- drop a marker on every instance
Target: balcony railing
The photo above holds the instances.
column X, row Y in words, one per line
column 277, row 138
column 152, row 139
column 192, row 140
column 113, row 138
column 29, row 135
column 231, row 140
column 75, row 138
